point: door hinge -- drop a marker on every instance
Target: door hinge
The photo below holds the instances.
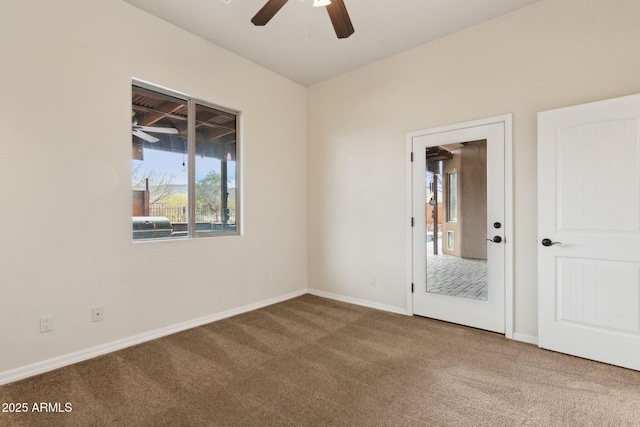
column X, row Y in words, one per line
column 412, row 156
column 412, row 221
column 412, row 288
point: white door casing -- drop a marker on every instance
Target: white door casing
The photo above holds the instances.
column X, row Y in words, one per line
column 496, row 313
column 589, row 212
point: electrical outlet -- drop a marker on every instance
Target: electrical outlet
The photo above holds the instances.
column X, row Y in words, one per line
column 46, row 323
column 372, row 279
column 97, row 314
column 269, row 277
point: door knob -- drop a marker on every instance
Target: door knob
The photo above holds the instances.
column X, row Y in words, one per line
column 548, row 242
column 497, row 225
column 496, row 239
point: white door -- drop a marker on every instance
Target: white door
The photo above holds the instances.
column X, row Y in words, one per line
column 589, row 231
column 462, row 279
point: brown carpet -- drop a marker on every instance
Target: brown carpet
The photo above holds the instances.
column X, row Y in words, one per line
column 316, row 362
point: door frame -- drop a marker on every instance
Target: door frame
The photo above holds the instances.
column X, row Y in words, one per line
column 507, row 121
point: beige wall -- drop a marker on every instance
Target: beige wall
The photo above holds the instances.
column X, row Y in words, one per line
column 470, row 228
column 472, row 180
column 65, row 204
column 553, row 54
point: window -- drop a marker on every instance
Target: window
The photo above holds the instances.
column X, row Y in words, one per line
column 184, row 167
column 450, row 240
column 452, row 197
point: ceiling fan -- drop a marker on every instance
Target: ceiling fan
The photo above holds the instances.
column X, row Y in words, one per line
column 336, row 9
column 141, row 131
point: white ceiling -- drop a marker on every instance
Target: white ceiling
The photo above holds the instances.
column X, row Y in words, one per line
column 300, row 43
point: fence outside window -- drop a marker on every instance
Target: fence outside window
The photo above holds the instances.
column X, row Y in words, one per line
column 178, row 213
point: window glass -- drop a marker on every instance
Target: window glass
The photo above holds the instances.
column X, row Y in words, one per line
column 452, row 197
column 168, row 199
column 215, row 188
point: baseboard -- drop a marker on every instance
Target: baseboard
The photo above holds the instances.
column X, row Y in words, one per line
column 69, row 359
column 529, row 339
column 358, row 301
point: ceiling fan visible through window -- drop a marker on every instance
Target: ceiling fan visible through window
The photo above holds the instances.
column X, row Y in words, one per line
column 336, row 9
column 141, row 131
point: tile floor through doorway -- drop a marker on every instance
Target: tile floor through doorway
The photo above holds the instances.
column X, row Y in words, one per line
column 454, row 276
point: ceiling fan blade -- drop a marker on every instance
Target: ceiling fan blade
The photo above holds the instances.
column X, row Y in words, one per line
column 267, row 12
column 144, row 136
column 340, row 19
column 157, row 129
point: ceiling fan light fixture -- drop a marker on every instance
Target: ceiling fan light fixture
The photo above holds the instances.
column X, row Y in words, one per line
column 335, row 8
